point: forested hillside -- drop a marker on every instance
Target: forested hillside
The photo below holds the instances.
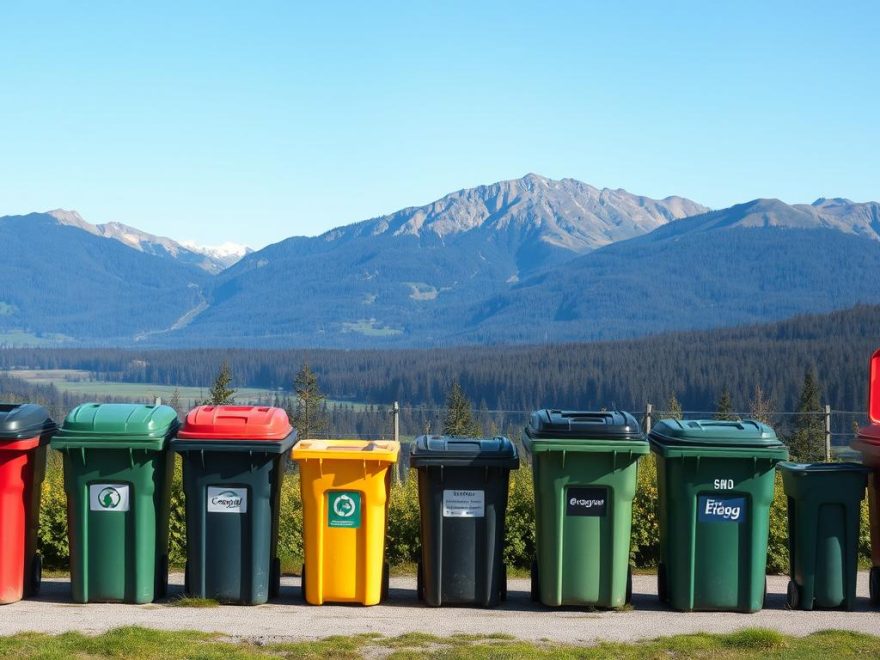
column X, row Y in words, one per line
column 694, row 366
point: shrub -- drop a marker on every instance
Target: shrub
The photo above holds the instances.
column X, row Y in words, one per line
column 519, row 542
column 644, row 551
column 403, row 521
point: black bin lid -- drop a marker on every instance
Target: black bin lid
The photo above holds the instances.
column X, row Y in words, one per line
column 24, row 420
column 461, row 450
column 584, row 425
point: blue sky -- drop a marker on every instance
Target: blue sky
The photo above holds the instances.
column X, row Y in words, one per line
column 254, row 121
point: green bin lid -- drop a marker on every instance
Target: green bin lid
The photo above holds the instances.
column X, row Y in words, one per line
column 583, row 425
column 461, row 450
column 804, row 468
column 714, row 433
column 19, row 421
column 116, row 424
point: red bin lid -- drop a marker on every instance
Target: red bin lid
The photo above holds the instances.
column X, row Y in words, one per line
column 870, row 434
column 259, row 423
column 874, row 388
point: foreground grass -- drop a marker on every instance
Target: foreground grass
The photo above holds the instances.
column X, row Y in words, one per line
column 134, row 642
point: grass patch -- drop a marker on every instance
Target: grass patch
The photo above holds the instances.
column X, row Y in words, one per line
column 193, row 601
column 135, row 642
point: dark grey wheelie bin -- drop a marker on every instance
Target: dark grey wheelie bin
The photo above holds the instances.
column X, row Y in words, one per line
column 463, row 486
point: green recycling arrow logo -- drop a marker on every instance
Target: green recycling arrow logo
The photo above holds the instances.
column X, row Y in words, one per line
column 109, row 498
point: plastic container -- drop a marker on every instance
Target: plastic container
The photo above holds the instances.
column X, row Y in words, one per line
column 117, row 476
column 868, row 443
column 345, row 489
column 584, row 469
column 463, row 485
column 25, row 430
column 234, row 459
column 824, row 501
column 715, row 484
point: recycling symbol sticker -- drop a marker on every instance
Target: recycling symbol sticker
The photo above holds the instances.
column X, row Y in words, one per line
column 344, row 509
column 109, row 497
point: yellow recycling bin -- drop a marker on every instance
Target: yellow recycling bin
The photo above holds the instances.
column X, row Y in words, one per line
column 345, row 489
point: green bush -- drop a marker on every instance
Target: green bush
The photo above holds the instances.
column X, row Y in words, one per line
column 403, row 521
column 52, row 535
column 644, row 551
column 290, row 524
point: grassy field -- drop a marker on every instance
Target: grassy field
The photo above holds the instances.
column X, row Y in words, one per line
column 81, row 383
column 134, row 642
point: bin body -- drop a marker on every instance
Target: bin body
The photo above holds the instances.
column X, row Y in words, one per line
column 584, row 470
column 463, row 486
column 715, row 484
column 824, row 502
column 345, row 489
column 24, row 434
column 117, row 477
column 234, row 459
column 868, row 443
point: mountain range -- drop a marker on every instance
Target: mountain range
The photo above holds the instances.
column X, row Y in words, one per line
column 527, row 260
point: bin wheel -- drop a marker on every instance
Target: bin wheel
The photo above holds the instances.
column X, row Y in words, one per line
column 536, row 586
column 629, row 586
column 793, row 595
column 386, row 572
column 502, row 588
column 275, row 578
column 420, row 582
column 662, row 587
column 302, row 582
column 36, row 575
column 162, row 578
column 874, row 586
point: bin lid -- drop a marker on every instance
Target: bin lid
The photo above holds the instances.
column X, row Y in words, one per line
column 714, row 433
column 463, row 451
column 347, row 450
column 22, row 421
column 117, row 425
column 583, row 425
column 821, row 467
column 870, row 434
column 236, row 423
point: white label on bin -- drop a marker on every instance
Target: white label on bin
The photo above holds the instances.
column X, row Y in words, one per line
column 108, row 497
column 464, row 504
column 227, row 500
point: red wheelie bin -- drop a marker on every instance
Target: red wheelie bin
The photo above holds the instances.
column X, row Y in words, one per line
column 25, row 431
column 868, row 443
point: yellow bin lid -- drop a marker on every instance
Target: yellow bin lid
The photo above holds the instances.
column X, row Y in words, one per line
column 347, row 450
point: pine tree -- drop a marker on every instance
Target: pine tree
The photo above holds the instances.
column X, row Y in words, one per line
column 459, row 418
column 759, row 407
column 309, row 415
column 673, row 408
column 808, row 442
column 725, row 406
column 174, row 401
column 220, row 392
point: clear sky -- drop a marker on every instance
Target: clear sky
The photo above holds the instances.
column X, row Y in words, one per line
column 254, row 121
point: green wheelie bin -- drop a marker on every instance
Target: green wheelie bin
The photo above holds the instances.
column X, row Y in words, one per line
column 714, row 485
column 824, row 503
column 117, row 476
column 584, row 469
column 234, row 460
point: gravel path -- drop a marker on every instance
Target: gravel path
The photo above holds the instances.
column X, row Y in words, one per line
column 289, row 618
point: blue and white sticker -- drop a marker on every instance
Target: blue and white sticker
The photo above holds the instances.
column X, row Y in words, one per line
column 721, row 509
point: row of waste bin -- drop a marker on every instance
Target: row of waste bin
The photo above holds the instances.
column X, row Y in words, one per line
column 715, row 485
